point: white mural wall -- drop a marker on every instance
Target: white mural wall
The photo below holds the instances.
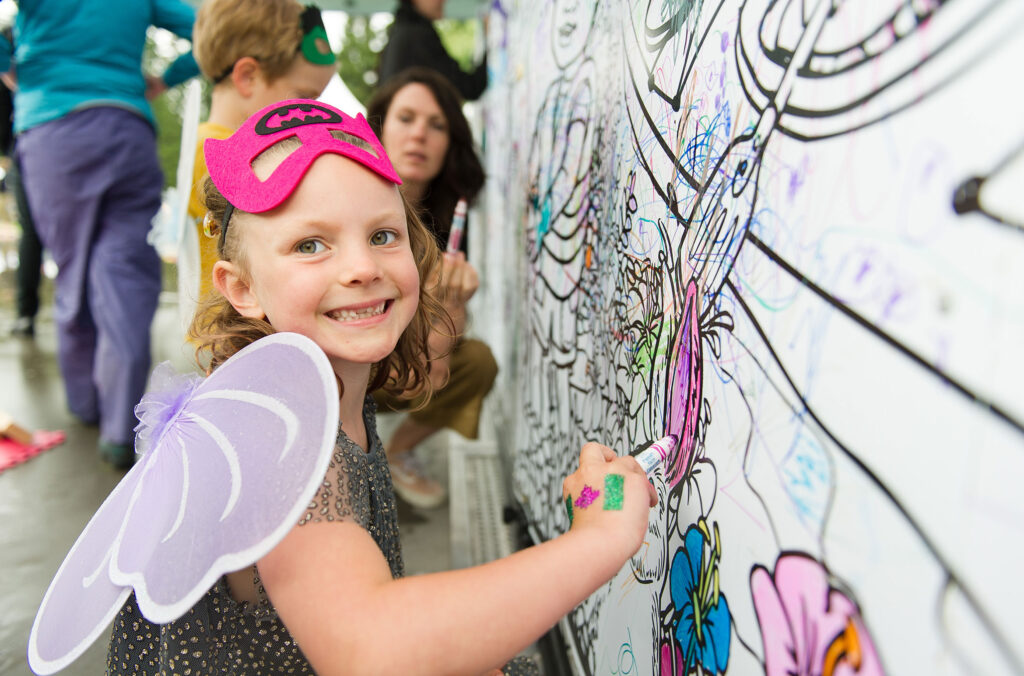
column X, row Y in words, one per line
column 792, row 234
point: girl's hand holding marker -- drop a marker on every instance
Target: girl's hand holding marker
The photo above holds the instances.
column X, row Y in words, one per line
column 656, row 453
column 609, row 489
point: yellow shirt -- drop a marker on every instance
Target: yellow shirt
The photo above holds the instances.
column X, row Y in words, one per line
column 207, row 245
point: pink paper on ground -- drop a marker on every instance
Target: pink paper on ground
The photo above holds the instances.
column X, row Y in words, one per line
column 12, row 453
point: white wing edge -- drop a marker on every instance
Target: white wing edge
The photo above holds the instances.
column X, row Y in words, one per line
column 41, row 665
column 164, row 613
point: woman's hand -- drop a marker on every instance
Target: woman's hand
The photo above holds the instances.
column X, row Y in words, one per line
column 458, row 281
column 610, row 492
column 455, row 281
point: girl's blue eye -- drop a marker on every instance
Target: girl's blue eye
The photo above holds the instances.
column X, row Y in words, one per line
column 383, row 237
column 309, row 246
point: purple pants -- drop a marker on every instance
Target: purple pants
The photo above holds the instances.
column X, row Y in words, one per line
column 93, row 183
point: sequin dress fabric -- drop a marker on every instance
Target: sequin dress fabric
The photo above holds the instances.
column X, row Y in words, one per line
column 220, row 635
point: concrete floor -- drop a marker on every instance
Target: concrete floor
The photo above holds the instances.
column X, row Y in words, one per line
column 45, row 502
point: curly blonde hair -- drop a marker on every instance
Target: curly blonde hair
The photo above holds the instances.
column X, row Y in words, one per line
column 219, row 331
column 269, row 31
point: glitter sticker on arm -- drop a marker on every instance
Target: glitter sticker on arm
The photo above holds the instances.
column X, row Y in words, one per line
column 587, row 496
column 568, row 507
column 613, row 491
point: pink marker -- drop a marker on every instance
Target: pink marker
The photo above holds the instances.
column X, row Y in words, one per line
column 458, row 225
column 656, row 454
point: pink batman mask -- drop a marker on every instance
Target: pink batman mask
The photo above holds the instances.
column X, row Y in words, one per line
column 316, row 125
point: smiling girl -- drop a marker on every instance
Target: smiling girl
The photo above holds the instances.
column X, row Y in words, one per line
column 316, row 239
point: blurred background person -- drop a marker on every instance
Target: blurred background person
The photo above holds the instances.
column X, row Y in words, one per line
column 413, row 42
column 418, row 116
column 254, row 53
column 87, row 150
column 30, row 249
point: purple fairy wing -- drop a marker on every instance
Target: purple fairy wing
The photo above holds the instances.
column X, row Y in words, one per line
column 82, row 600
column 231, row 476
column 232, row 463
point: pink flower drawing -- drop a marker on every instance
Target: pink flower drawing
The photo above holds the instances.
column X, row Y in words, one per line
column 809, row 628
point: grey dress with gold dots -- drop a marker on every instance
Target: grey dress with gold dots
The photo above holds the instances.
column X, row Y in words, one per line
column 220, row 635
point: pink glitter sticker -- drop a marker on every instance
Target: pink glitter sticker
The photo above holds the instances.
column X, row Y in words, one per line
column 587, row 496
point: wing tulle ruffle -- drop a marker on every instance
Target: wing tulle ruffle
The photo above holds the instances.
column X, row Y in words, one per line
column 169, row 392
column 229, row 463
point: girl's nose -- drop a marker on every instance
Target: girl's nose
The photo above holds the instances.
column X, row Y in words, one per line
column 358, row 266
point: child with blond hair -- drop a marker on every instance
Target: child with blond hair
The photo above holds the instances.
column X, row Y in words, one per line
column 254, row 53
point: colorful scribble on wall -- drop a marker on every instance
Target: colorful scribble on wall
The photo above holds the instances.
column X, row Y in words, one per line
column 790, row 233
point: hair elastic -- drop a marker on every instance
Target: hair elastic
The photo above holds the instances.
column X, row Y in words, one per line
column 210, row 225
column 213, row 229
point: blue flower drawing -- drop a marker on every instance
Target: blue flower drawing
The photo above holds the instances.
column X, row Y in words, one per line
column 701, row 617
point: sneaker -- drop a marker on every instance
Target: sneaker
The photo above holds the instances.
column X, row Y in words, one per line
column 24, row 327
column 413, row 485
column 121, row 456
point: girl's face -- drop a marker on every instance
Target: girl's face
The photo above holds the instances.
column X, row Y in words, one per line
column 415, row 135
column 334, row 263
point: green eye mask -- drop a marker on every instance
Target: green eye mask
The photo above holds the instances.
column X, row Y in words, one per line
column 315, row 47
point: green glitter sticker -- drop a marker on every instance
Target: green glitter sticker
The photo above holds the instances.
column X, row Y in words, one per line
column 568, row 507
column 613, row 491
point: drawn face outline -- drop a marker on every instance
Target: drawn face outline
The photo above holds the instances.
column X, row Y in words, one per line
column 573, row 21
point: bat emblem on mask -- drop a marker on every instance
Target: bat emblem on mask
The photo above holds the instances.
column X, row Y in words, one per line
column 293, row 115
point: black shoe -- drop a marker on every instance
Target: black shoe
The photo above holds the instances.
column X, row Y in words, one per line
column 121, row 456
column 24, row 327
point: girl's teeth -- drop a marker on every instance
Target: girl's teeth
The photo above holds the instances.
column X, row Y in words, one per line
column 347, row 315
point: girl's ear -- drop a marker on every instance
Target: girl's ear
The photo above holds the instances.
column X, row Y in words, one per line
column 245, row 75
column 227, row 279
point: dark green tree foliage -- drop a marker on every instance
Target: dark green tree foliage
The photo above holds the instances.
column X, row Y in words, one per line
column 360, row 50
column 459, row 37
